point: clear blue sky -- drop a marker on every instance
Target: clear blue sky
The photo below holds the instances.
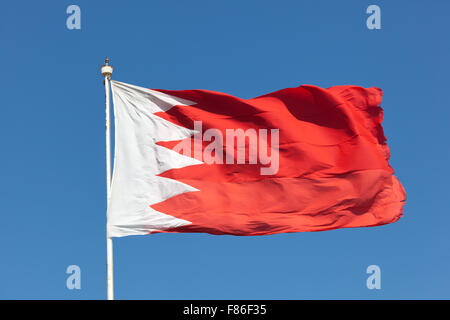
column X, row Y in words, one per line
column 52, row 162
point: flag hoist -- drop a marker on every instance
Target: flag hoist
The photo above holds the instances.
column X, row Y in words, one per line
column 106, row 73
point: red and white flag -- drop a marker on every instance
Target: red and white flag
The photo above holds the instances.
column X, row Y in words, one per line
column 298, row 159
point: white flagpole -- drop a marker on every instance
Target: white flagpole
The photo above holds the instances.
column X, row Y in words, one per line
column 106, row 72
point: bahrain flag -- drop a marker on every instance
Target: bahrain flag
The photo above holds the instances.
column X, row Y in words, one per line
column 298, row 159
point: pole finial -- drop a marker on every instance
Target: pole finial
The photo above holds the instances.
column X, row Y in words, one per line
column 106, row 69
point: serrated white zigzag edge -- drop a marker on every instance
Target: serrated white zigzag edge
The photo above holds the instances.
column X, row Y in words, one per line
column 138, row 159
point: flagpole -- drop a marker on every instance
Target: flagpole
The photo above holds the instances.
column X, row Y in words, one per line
column 107, row 72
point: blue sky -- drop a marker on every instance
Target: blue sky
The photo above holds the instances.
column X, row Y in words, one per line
column 53, row 149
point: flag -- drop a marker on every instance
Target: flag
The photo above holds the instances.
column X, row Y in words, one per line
column 294, row 160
